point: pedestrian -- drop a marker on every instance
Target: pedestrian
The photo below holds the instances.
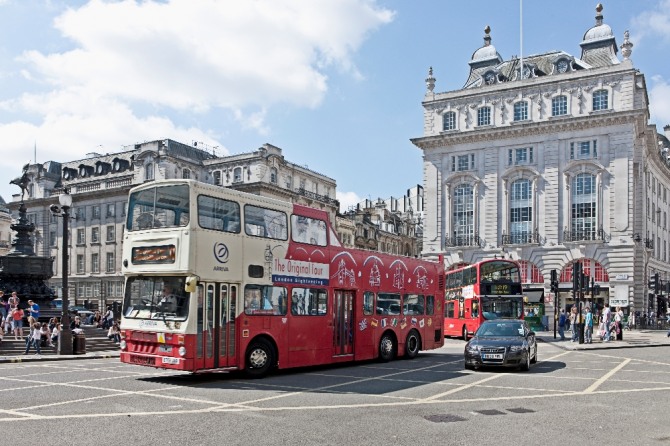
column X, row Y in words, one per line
column 588, row 326
column 631, row 320
column 108, row 318
column 45, row 338
column 55, row 333
column 618, row 323
column 17, row 323
column 14, row 300
column 3, row 307
column 34, row 339
column 34, row 309
column 607, row 313
column 7, row 324
column 561, row 324
column 573, row 322
column 76, row 323
column 114, row 334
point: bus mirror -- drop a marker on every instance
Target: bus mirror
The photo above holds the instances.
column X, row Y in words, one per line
column 191, row 284
column 525, row 299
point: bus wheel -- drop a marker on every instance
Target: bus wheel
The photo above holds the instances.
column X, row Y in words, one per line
column 386, row 348
column 260, row 358
column 412, row 345
column 465, row 333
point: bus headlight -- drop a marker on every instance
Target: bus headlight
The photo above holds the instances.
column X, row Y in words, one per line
column 182, row 351
column 122, row 344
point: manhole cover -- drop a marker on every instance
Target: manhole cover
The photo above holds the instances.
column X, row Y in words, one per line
column 444, row 418
column 490, row 412
column 520, row 410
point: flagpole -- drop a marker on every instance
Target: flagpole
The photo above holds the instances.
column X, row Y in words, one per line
column 521, row 39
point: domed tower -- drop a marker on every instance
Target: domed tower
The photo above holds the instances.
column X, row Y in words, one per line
column 599, row 47
column 484, row 62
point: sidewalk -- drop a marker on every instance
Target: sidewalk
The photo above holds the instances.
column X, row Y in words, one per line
column 631, row 339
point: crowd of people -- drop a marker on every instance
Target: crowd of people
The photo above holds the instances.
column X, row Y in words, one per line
column 46, row 334
column 609, row 324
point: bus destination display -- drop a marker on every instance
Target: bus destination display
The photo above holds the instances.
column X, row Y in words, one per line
column 153, row 254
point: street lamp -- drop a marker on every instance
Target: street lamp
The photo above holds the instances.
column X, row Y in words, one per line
column 65, row 336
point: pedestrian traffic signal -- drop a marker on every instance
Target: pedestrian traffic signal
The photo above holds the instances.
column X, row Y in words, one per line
column 554, row 281
column 576, row 276
column 657, row 283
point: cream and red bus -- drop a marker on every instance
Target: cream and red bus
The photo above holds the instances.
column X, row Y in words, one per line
column 221, row 279
column 490, row 289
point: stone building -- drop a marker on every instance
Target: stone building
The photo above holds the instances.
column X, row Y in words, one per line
column 5, row 231
column 550, row 160
column 99, row 186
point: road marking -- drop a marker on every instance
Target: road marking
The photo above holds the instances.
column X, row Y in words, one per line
column 607, row 375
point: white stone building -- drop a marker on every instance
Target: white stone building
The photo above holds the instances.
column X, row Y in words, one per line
column 551, row 164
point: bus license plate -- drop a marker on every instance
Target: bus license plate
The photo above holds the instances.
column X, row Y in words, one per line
column 492, row 356
column 168, row 360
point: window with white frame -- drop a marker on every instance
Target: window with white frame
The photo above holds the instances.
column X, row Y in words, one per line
column 95, row 262
column 521, row 111
column 217, row 177
column 600, row 98
column 81, row 236
column 463, row 213
column 559, row 106
column 583, row 213
column 80, row 264
column 484, row 116
column 449, row 121
column 111, row 210
column 523, row 155
column 273, row 175
column 186, row 173
column 95, row 234
column 111, row 264
column 461, row 163
column 289, row 182
column 111, row 233
column 237, row 175
column 583, row 150
column 149, row 171
column 521, row 211
column 95, row 212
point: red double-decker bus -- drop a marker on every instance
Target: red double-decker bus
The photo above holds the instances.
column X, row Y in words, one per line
column 221, row 279
column 489, row 289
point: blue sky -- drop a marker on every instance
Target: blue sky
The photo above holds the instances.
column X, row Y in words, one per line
column 337, row 84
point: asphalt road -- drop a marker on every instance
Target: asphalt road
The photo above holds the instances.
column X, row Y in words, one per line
column 600, row 397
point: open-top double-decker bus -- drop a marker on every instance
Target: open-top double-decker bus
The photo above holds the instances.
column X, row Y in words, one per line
column 489, row 289
column 221, row 279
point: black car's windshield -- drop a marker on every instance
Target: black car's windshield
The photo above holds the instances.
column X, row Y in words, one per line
column 500, row 329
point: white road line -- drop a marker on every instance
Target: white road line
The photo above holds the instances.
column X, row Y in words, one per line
column 607, row 375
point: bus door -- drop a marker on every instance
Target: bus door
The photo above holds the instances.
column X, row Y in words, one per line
column 217, row 330
column 343, row 323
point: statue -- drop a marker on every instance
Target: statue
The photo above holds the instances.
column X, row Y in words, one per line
column 22, row 181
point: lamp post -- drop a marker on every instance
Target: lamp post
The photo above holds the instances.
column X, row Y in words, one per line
column 65, row 336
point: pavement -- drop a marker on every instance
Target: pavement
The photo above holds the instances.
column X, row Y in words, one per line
column 635, row 338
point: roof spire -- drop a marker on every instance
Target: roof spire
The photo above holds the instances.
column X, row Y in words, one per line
column 599, row 14
column 430, row 80
column 487, row 36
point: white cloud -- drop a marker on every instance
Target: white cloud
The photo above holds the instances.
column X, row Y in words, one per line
column 659, row 98
column 655, row 21
column 347, row 200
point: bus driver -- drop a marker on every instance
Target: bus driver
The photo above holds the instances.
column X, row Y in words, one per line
column 168, row 303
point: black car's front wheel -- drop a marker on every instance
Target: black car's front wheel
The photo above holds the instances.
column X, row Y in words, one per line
column 525, row 366
column 534, row 359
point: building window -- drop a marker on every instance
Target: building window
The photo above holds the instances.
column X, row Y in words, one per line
column 583, row 216
column 462, row 162
column 80, row 214
column 653, row 213
column 95, row 235
column 111, row 264
column 237, row 175
column 273, row 175
column 583, row 150
column 111, row 233
column 81, row 236
column 289, row 182
column 521, row 111
column 449, row 121
column 95, row 212
column 149, row 171
column 95, row 262
column 52, row 238
column 302, row 184
column 111, row 210
column 484, row 116
column 80, row 264
column 600, row 100
column 521, row 211
column 559, row 106
column 217, row 177
column 523, row 155
column 463, row 212
column 186, row 173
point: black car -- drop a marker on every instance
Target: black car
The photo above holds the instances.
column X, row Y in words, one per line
column 502, row 343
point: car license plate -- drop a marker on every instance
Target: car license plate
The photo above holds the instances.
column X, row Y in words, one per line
column 492, row 356
column 165, row 348
column 168, row 360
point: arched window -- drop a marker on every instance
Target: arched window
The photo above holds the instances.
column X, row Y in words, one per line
column 521, row 211
column 237, row 175
column 600, row 100
column 149, row 171
column 521, row 111
column 449, row 121
column 559, row 106
column 463, row 214
column 530, row 273
column 583, row 212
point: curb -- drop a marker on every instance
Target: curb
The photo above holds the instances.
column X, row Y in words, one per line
column 18, row 359
column 608, row 347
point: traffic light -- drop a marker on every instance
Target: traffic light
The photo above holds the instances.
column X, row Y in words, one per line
column 657, row 283
column 554, row 281
column 585, row 282
column 576, row 276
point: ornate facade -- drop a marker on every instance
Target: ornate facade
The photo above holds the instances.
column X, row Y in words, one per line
column 550, row 160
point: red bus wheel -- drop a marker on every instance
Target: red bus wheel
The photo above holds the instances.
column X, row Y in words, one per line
column 259, row 358
column 412, row 344
column 386, row 348
column 465, row 333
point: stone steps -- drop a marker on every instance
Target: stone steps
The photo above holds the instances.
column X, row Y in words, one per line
column 96, row 341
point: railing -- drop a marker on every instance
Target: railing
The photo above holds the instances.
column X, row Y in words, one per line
column 521, row 238
column 577, row 236
column 463, row 240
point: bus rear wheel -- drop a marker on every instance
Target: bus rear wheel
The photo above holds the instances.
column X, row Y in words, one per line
column 465, row 333
column 412, row 345
column 259, row 359
column 386, row 348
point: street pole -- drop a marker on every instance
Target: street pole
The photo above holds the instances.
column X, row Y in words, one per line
column 65, row 337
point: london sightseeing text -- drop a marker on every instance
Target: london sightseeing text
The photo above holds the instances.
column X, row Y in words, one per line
column 221, row 279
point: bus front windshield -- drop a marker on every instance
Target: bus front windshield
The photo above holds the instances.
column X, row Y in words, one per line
column 502, row 307
column 499, row 271
column 157, row 207
column 160, row 298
